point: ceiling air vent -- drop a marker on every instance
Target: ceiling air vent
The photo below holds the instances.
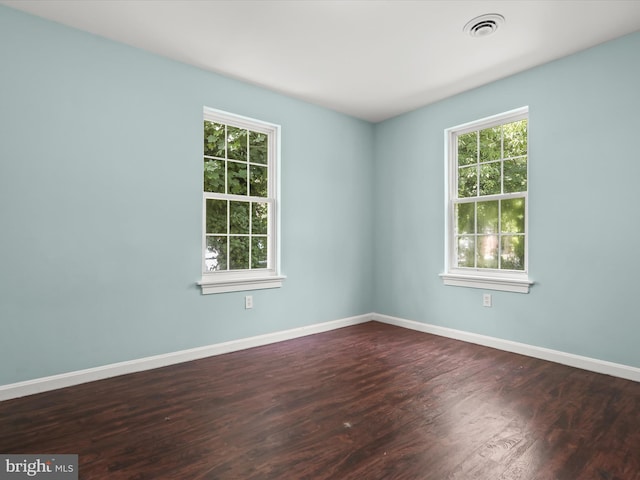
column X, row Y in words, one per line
column 484, row 25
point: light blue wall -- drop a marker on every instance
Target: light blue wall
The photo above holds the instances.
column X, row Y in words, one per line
column 584, row 221
column 100, row 205
column 100, row 177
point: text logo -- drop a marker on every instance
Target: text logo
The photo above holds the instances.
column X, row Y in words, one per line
column 50, row 467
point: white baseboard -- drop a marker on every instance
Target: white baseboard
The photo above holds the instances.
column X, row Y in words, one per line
column 38, row 385
column 585, row 363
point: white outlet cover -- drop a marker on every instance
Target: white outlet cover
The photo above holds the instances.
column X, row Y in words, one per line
column 486, row 300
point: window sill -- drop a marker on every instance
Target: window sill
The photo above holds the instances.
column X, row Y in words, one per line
column 505, row 284
column 211, row 285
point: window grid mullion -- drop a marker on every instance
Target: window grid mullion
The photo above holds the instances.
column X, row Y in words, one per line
column 478, row 163
column 487, row 198
column 250, row 232
column 268, row 168
column 236, row 198
column 226, row 163
column 475, row 235
column 228, row 235
column 499, row 234
column 454, row 182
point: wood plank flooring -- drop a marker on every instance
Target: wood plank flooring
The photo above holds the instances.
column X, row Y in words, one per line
column 366, row 402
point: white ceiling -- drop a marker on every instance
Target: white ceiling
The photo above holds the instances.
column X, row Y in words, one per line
column 370, row 59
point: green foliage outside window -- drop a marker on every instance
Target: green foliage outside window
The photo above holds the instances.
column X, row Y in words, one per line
column 235, row 163
column 490, row 232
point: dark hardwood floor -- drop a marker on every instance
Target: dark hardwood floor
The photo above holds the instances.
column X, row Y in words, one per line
column 371, row 401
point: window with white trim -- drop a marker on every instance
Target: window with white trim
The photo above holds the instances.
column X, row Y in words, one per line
column 487, row 203
column 240, row 204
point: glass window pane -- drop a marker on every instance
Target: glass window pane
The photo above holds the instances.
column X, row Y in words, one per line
column 259, row 218
column 488, row 217
column 487, row 251
column 214, row 175
column 237, row 143
column 515, row 175
column 239, row 253
column 237, row 178
column 258, row 147
column 515, row 138
column 239, row 217
column 512, row 215
column 490, row 144
column 466, row 252
column 467, row 182
column 214, row 139
column 259, row 252
column 512, row 252
column 490, row 178
column 468, row 148
column 258, row 181
column 465, row 218
column 215, row 258
column 217, row 216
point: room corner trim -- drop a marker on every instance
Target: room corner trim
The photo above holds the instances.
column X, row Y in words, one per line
column 569, row 359
column 44, row 384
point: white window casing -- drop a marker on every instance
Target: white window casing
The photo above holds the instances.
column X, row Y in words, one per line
column 228, row 279
column 498, row 277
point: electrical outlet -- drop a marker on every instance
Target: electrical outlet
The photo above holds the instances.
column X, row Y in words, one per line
column 486, row 299
column 248, row 302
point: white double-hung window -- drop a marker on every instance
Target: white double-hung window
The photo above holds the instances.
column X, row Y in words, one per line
column 487, row 203
column 239, row 204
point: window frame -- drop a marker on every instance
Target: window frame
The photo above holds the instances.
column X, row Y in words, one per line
column 477, row 277
column 250, row 279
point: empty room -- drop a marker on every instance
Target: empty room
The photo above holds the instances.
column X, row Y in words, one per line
column 324, row 240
